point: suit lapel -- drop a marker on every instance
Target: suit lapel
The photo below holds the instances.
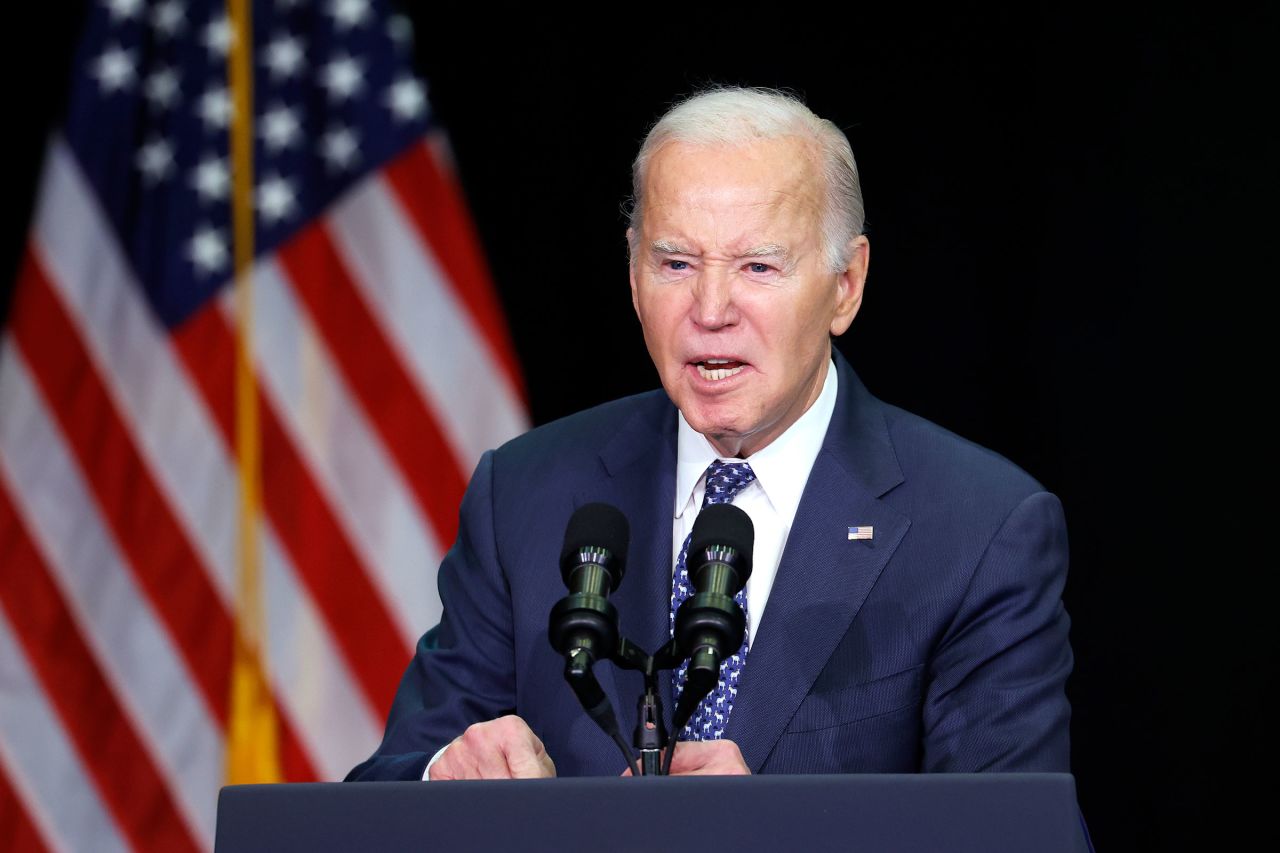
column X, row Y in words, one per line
column 823, row 577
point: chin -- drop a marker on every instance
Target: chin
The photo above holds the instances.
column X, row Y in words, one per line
column 712, row 423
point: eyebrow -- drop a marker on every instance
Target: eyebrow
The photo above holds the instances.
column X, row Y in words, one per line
column 768, row 250
column 666, row 247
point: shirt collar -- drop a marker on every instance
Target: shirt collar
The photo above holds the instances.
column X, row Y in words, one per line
column 782, row 468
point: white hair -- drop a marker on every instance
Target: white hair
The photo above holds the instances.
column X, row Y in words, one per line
column 731, row 116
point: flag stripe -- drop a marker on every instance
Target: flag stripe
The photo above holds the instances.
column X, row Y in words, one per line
column 172, row 578
column 167, row 569
column 338, row 725
column 175, row 434
column 108, row 746
column 452, row 366
column 17, row 833
column 429, row 193
column 360, row 481
column 296, row 764
column 376, row 374
column 139, row 367
column 120, row 626
column 323, row 556
column 57, row 793
column 339, row 584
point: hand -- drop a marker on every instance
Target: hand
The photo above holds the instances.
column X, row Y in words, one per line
column 706, row 758
column 505, row 748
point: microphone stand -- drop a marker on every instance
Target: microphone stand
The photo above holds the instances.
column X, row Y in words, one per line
column 651, row 736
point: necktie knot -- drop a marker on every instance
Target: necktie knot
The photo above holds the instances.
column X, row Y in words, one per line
column 725, row 480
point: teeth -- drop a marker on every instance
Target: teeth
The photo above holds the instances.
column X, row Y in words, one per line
column 721, row 373
column 717, row 361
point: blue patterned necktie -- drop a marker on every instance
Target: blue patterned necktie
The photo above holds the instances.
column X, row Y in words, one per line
column 724, row 481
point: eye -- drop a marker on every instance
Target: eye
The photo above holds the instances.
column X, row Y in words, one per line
column 677, row 266
column 758, row 268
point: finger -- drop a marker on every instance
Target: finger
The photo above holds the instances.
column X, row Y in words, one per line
column 483, row 754
column 548, row 766
column 526, row 757
column 689, row 755
column 452, row 764
column 708, row 758
column 491, row 761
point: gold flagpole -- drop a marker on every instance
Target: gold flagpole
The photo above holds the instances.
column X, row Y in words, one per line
column 252, row 751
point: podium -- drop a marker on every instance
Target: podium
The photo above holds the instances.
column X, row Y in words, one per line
column 884, row 813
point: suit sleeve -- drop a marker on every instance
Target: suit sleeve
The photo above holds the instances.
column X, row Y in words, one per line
column 996, row 699
column 464, row 673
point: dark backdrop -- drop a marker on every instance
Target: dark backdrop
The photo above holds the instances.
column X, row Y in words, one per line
column 1068, row 214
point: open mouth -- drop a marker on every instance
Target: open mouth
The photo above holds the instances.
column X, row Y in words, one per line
column 715, row 369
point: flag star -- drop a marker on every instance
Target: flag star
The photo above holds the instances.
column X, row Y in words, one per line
column 218, row 36
column 155, row 159
column 114, row 69
column 124, row 9
column 279, row 127
column 407, row 98
column 400, row 29
column 207, row 250
column 349, row 13
column 343, row 78
column 162, row 87
column 339, row 149
column 167, row 18
column 284, row 56
column 211, row 178
column 275, row 199
column 215, row 108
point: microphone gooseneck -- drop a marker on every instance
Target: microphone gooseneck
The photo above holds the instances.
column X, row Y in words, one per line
column 710, row 624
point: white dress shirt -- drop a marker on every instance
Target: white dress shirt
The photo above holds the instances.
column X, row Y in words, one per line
column 782, row 469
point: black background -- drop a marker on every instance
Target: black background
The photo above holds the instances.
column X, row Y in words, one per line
column 1071, row 216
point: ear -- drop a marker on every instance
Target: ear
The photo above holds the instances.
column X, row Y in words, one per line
column 631, row 269
column 849, row 284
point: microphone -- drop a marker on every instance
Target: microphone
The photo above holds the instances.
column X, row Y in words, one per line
column 710, row 625
column 584, row 624
column 592, row 563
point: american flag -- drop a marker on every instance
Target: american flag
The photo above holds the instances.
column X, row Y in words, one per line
column 381, row 372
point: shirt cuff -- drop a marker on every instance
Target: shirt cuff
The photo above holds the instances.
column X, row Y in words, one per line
column 426, row 773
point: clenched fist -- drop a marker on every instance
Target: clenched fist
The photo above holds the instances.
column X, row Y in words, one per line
column 505, row 748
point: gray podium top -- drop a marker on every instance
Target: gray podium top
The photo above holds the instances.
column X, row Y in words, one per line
column 886, row 813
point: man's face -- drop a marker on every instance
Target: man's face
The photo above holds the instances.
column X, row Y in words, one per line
column 732, row 288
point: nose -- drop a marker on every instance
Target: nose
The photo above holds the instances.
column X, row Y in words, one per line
column 713, row 303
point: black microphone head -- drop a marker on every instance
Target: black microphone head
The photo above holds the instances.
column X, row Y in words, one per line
column 597, row 526
column 725, row 525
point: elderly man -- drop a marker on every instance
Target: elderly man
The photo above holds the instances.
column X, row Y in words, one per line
column 904, row 613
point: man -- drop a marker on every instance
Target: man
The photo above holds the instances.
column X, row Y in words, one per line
column 904, row 613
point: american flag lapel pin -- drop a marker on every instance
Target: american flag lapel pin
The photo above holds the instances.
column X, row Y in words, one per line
column 861, row 532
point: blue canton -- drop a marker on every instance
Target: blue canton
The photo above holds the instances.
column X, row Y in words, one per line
column 335, row 97
column 724, row 481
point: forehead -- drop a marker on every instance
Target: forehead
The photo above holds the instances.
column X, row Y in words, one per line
column 766, row 184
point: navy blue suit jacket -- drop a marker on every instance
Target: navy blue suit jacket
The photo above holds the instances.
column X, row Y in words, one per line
column 938, row 645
